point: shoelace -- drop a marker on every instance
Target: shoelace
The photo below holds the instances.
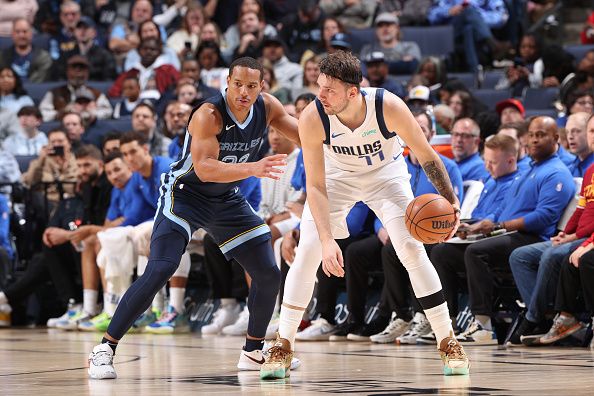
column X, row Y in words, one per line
column 393, row 326
column 420, row 327
column 454, row 350
column 101, row 358
column 277, row 353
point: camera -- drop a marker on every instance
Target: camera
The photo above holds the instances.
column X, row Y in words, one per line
column 188, row 45
column 57, row 151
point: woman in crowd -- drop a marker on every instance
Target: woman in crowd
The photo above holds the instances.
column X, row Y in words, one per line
column 147, row 30
column 213, row 70
column 12, row 94
column 189, row 32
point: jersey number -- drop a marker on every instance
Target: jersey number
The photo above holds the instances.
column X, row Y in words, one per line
column 232, row 159
column 369, row 158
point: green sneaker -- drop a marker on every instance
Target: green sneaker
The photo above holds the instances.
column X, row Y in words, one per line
column 98, row 323
column 144, row 320
column 170, row 322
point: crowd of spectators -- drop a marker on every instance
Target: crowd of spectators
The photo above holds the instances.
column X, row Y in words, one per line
column 95, row 97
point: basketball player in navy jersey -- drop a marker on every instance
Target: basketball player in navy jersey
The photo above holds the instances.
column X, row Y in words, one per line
column 352, row 152
column 223, row 139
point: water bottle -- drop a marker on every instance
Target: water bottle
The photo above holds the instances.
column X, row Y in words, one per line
column 80, row 246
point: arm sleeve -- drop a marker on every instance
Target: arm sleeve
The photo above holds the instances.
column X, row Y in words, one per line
column 113, row 212
column 165, row 18
column 377, row 225
column 551, row 203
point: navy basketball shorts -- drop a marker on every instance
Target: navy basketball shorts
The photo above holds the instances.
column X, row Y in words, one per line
column 229, row 219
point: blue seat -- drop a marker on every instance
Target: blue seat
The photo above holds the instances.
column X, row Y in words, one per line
column 24, row 161
column 578, row 51
column 491, row 78
column 123, row 124
column 49, row 125
column 102, row 86
column 468, row 79
column 541, row 112
column 37, row 90
column 540, row 98
column 490, row 97
column 432, row 40
column 41, row 41
column 359, row 37
column 5, row 42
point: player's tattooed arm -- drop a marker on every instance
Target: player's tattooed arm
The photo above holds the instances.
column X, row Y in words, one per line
column 440, row 179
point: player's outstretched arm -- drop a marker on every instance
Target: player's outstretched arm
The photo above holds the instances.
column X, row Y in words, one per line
column 312, row 137
column 204, row 127
column 279, row 119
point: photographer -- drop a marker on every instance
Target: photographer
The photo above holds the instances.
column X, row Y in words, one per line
column 55, row 165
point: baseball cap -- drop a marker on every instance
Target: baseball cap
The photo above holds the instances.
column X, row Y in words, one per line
column 420, row 92
column 499, row 107
column 86, row 21
column 386, row 17
column 340, row 40
column 272, row 39
column 78, row 60
column 375, row 57
column 83, row 94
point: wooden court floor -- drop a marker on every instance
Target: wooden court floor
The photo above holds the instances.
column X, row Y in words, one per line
column 52, row 362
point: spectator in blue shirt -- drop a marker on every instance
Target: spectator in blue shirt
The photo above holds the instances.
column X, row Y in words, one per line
column 147, row 169
column 465, row 145
column 472, row 21
column 251, row 189
column 534, row 203
column 578, row 143
column 64, row 40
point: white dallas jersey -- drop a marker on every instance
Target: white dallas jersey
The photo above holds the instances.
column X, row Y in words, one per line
column 368, row 147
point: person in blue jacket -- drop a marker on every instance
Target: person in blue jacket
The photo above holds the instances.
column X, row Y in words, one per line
column 532, row 206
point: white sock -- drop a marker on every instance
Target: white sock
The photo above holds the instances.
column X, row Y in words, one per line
column 90, row 301
column 441, row 324
column 112, row 303
column 3, row 299
column 176, row 298
column 158, row 301
column 485, row 321
column 105, row 300
column 289, row 323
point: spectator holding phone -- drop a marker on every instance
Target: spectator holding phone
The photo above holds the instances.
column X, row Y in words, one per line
column 55, row 165
column 527, row 69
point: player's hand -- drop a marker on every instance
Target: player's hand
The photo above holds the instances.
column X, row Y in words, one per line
column 288, row 247
column 295, row 207
column 455, row 229
column 267, row 166
column 382, row 235
column 332, row 261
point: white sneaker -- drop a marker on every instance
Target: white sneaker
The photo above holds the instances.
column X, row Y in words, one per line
column 224, row 316
column 272, row 328
column 252, row 361
column 420, row 327
column 427, row 339
column 72, row 310
column 319, row 330
column 395, row 329
column 101, row 363
column 476, row 335
column 72, row 322
column 240, row 327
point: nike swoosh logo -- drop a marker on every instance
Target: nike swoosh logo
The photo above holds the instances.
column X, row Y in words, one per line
column 227, row 127
column 261, row 361
column 337, row 135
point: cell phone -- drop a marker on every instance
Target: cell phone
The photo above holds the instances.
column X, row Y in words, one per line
column 57, row 151
column 188, row 45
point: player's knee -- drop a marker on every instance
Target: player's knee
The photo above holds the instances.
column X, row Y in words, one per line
column 161, row 268
column 270, row 277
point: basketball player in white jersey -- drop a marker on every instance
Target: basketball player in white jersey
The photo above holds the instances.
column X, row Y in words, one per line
column 352, row 152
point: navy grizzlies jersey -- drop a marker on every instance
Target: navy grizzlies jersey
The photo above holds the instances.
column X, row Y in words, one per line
column 238, row 143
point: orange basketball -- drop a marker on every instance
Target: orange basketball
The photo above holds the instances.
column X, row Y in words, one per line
column 430, row 218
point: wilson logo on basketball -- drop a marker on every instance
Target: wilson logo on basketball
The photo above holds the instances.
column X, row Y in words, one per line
column 442, row 224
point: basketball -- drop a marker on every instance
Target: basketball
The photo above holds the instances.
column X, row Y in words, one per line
column 430, row 218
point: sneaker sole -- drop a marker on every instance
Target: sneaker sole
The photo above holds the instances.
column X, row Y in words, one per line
column 106, row 376
column 337, row 338
column 356, row 337
column 456, row 371
column 281, row 373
